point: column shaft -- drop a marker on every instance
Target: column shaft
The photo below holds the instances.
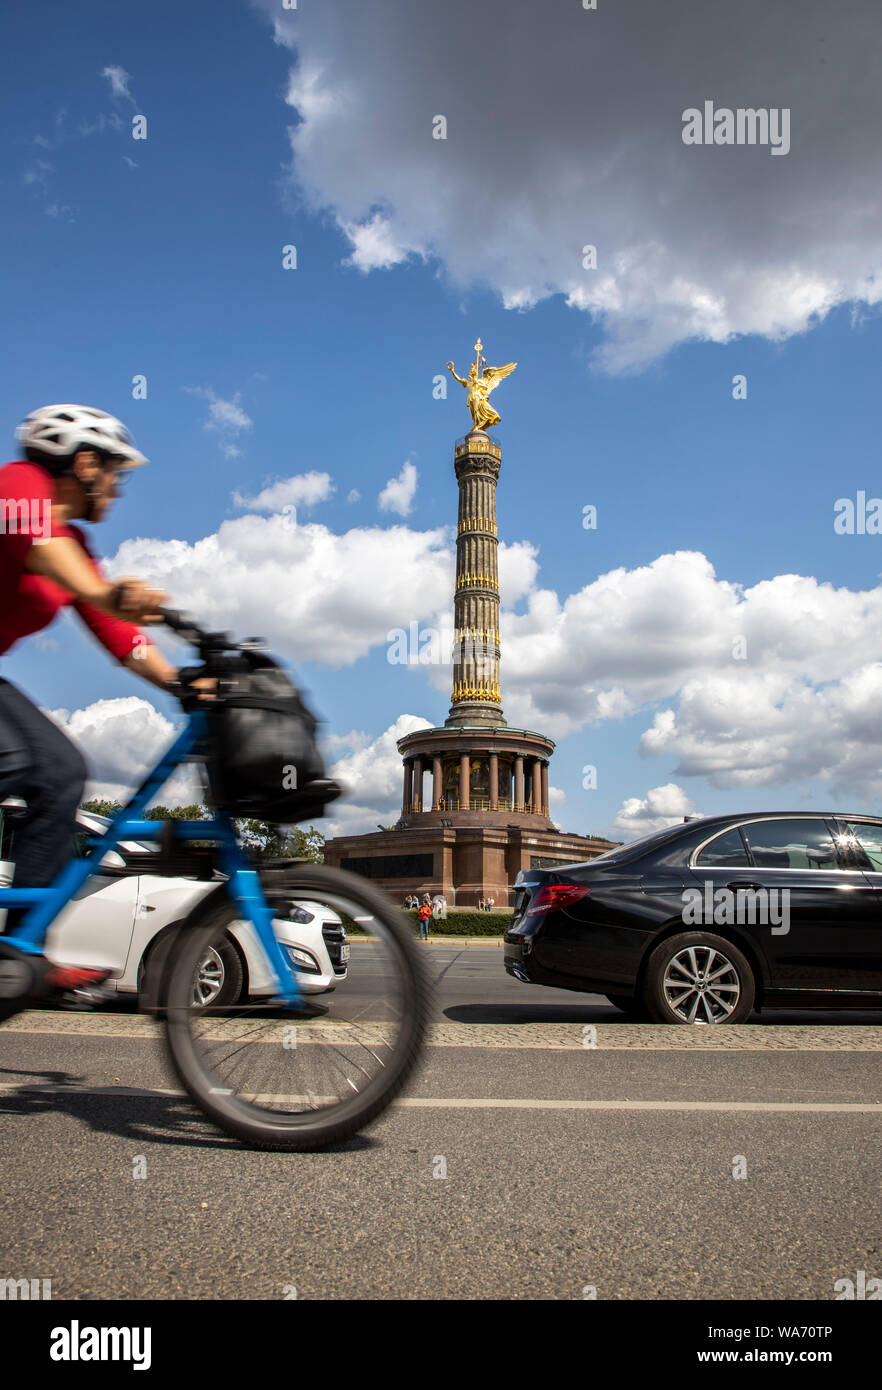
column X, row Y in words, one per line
column 519, row 783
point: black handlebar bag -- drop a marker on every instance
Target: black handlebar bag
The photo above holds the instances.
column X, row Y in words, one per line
column 264, row 759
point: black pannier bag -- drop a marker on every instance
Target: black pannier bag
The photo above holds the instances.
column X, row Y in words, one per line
column 264, row 759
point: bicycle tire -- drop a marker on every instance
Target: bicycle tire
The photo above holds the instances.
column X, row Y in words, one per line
column 249, row 1117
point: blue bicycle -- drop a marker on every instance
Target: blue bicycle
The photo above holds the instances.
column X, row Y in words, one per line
column 283, row 1072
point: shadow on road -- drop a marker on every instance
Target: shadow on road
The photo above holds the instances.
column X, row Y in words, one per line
column 607, row 1013
column 533, row 1013
column 145, row 1119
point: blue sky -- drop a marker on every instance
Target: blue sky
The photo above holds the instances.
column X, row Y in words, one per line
column 163, row 257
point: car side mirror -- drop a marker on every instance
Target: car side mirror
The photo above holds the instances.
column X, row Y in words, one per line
column 112, row 860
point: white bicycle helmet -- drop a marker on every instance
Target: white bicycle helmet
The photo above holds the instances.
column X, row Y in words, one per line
column 53, row 434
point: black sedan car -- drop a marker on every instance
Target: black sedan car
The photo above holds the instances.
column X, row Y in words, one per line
column 706, row 921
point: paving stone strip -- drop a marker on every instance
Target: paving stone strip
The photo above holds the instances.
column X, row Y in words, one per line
column 559, row 1037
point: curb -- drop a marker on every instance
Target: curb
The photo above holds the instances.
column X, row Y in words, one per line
column 444, row 940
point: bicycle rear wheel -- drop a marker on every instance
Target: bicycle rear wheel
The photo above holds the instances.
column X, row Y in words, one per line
column 304, row 1078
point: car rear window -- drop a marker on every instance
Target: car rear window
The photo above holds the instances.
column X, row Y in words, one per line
column 635, row 846
column 869, row 839
column 725, row 851
column 791, row 844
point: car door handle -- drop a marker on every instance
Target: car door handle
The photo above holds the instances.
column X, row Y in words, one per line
column 743, row 883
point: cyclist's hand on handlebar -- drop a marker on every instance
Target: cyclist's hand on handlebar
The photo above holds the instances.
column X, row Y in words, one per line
column 207, row 686
column 136, row 601
column 183, row 682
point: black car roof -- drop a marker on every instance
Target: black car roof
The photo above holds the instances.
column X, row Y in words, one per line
column 781, row 815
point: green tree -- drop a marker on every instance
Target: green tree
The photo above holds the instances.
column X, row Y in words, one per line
column 309, row 844
column 267, row 841
column 263, row 840
column 98, row 807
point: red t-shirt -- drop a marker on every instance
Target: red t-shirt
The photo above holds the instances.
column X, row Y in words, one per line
column 29, row 602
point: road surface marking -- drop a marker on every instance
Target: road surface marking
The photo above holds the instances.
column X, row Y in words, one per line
column 495, row 1103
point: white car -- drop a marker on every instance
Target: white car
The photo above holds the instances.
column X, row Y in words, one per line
column 118, row 916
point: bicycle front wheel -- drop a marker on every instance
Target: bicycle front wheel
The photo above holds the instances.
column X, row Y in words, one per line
column 304, row 1078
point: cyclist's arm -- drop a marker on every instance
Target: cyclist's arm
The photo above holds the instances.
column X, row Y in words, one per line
column 149, row 663
column 64, row 560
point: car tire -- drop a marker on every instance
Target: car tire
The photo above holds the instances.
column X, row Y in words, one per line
column 698, row 978
column 229, row 973
column 629, row 1005
column 221, row 977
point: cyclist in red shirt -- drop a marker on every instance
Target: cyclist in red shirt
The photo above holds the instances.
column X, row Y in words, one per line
column 76, row 458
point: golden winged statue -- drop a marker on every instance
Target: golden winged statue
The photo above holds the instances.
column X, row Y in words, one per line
column 480, row 381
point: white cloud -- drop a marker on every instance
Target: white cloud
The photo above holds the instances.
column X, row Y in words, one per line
column 302, row 490
column 225, row 417
column 371, row 772
column 121, row 740
column 312, row 594
column 374, row 245
column 661, row 807
column 119, row 81
column 37, row 174
column 398, row 494
column 353, row 495
column 742, row 686
column 763, row 730
column 102, row 122
column 577, row 139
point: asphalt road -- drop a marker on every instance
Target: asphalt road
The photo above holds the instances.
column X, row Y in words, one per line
column 472, row 987
column 523, row 1163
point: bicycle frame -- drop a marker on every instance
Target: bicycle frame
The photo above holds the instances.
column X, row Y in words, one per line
column 44, row 904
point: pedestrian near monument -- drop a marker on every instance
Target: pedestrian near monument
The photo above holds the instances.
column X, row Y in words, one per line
column 425, row 915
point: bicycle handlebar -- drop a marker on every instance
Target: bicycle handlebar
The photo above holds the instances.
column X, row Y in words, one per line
column 208, row 643
column 219, row 655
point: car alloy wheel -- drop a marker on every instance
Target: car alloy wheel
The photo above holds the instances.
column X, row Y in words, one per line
column 698, row 978
column 701, row 985
column 219, row 978
column 209, row 979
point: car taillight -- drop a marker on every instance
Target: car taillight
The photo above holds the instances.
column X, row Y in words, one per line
column 555, row 896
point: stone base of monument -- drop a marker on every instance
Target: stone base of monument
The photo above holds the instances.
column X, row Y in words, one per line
column 464, row 862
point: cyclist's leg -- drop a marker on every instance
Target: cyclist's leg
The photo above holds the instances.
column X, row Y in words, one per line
column 40, row 763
